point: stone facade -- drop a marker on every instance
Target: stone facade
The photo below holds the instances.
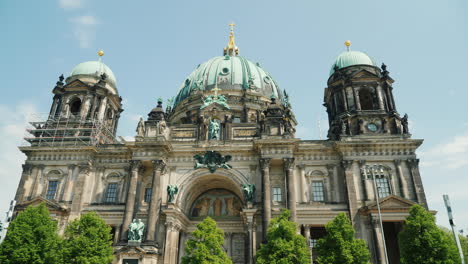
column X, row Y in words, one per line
column 75, row 166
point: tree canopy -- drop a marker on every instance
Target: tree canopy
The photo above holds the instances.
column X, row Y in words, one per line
column 422, row 242
column 32, row 239
column 205, row 245
column 339, row 246
column 88, row 240
column 284, row 245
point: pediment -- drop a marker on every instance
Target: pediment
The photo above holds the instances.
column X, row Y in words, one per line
column 364, row 74
column 51, row 205
column 392, row 202
column 76, row 84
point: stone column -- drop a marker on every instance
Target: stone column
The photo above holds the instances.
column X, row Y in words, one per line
column 345, row 99
column 403, row 185
column 117, row 234
column 303, row 184
column 159, row 167
column 289, row 167
column 68, row 188
column 380, row 98
column 85, row 106
column 417, row 182
column 378, row 241
column 356, row 98
column 102, row 109
column 249, row 220
column 265, row 165
column 38, row 183
column 335, row 186
column 21, row 192
column 97, row 192
column 172, row 242
column 367, row 184
column 307, row 237
column 350, row 188
column 136, row 166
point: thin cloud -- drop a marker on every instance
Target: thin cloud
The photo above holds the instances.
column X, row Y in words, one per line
column 71, row 4
column 452, row 154
column 12, row 130
column 84, row 30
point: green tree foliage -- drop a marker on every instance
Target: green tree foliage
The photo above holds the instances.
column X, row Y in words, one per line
column 284, row 245
column 463, row 241
column 205, row 245
column 88, row 240
column 422, row 242
column 32, row 239
column 340, row 246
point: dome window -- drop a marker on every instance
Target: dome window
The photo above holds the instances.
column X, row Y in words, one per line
column 187, row 82
column 75, row 106
column 266, row 79
column 225, row 71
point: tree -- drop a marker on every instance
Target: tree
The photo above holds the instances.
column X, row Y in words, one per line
column 284, row 245
column 88, row 240
column 422, row 242
column 32, row 239
column 205, row 245
column 463, row 241
column 340, row 246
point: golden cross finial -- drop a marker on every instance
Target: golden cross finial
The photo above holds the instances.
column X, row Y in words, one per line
column 215, row 90
column 232, row 26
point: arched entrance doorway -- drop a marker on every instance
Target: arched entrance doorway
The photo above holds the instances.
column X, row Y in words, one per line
column 220, row 197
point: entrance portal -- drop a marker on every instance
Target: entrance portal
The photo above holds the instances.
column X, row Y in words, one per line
column 391, row 231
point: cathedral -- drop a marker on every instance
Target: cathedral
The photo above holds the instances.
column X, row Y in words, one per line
column 225, row 147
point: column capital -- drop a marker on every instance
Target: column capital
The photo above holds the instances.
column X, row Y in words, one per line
column 27, row 168
column 289, row 163
column 159, row 165
column 135, row 165
column 413, row 163
column 362, row 162
column 265, row 163
column 397, row 162
column 346, row 164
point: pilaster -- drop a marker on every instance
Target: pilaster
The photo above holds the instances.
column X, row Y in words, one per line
column 136, row 166
column 289, row 168
column 159, row 166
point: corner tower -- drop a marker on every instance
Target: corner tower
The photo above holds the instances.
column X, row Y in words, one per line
column 359, row 99
column 85, row 108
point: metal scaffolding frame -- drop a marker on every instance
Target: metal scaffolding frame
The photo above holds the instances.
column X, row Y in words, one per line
column 52, row 131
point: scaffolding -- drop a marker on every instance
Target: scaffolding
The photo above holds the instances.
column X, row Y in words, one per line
column 67, row 131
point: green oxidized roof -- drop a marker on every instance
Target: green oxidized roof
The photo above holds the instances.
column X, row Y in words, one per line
column 228, row 73
column 350, row 58
column 94, row 68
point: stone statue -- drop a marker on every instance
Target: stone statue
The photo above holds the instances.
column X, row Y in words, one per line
column 404, row 123
column 135, row 231
column 213, row 130
column 162, row 127
column 249, row 192
column 172, row 190
column 344, row 128
column 141, row 128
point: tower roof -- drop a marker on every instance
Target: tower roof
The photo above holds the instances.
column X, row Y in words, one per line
column 351, row 58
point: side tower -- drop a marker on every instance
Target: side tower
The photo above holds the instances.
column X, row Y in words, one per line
column 359, row 99
column 85, row 109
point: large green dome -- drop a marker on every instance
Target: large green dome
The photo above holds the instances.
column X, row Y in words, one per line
column 228, row 73
column 93, row 69
column 350, row 58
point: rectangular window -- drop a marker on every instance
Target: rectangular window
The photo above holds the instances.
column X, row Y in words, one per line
column 148, row 192
column 383, row 187
column 318, row 194
column 111, row 193
column 51, row 190
column 277, row 195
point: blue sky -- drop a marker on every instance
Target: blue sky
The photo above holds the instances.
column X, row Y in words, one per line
column 152, row 46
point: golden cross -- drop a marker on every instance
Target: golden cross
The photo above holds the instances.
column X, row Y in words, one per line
column 232, row 26
column 215, row 90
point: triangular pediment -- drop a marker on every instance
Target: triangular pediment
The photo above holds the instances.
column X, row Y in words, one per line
column 392, row 202
column 51, row 205
column 364, row 74
column 76, row 84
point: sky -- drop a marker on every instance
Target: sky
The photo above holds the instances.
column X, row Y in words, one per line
column 152, row 46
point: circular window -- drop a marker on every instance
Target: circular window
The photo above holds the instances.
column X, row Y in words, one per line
column 225, row 70
column 267, row 79
column 372, row 127
column 187, row 82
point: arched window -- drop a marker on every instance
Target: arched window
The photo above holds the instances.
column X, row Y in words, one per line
column 366, row 99
column 75, row 106
column 54, row 179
